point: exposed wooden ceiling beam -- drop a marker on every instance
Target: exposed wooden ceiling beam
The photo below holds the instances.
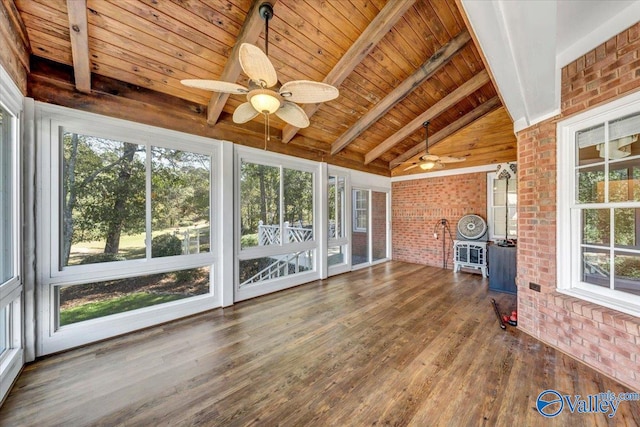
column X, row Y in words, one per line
column 375, row 31
column 77, row 10
column 465, row 120
column 249, row 33
column 470, row 86
column 426, row 70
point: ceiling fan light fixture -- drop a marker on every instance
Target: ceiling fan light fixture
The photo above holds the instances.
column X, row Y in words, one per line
column 265, row 101
column 427, row 165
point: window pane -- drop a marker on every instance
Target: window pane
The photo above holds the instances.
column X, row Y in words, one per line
column 335, row 199
column 298, row 205
column 258, row 270
column 378, row 225
column 624, row 181
column 596, row 267
column 595, row 226
column 626, row 227
column 332, row 189
column 180, row 192
column 4, row 329
column 627, row 273
column 103, row 206
column 259, row 205
column 6, row 198
column 84, row 302
column 591, row 185
column 590, row 142
column 336, row 255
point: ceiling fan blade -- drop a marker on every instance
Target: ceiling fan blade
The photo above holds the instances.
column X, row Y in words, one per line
column 293, row 114
column 308, row 92
column 244, row 113
column 449, row 159
column 215, row 86
column 415, row 165
column 438, row 166
column 257, row 65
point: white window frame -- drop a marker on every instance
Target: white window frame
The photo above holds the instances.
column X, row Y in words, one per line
column 11, row 291
column 568, row 226
column 493, row 234
column 51, row 121
column 357, row 210
column 251, row 155
column 344, row 240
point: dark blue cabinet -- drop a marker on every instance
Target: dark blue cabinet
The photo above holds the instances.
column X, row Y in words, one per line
column 502, row 269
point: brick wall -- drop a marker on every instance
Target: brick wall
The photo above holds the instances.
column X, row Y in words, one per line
column 603, row 338
column 418, row 205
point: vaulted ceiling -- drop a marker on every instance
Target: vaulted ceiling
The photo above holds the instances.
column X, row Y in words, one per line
column 396, row 64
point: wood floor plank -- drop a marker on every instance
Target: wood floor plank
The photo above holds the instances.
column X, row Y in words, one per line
column 397, row 343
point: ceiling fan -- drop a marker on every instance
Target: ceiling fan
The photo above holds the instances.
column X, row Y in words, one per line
column 265, row 95
column 432, row 161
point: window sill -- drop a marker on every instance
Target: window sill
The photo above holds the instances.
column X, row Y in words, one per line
column 605, row 301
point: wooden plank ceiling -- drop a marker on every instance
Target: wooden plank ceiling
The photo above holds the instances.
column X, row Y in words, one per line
column 396, row 64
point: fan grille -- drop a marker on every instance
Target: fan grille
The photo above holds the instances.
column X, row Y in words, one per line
column 472, row 227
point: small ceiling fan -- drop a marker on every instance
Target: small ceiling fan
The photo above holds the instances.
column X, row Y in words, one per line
column 265, row 94
column 432, row 161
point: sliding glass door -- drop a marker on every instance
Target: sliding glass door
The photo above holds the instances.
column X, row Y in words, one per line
column 369, row 234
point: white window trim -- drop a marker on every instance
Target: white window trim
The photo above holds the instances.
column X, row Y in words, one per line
column 11, row 294
column 281, row 161
column 568, row 219
column 345, row 240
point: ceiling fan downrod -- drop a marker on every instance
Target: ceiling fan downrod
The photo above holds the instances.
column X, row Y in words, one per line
column 266, row 13
column 426, row 136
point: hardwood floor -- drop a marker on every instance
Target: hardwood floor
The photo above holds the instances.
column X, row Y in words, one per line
column 397, row 344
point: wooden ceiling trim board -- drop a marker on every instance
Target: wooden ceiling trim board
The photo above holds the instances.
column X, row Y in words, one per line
column 227, row 30
column 12, row 29
column 17, row 23
column 287, row 25
column 48, row 27
column 438, row 108
column 437, row 60
column 158, row 31
column 360, row 49
column 159, row 61
column 465, row 120
column 148, row 44
column 77, row 10
column 249, row 33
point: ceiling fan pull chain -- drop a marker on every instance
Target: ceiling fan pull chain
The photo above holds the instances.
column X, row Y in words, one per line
column 267, row 136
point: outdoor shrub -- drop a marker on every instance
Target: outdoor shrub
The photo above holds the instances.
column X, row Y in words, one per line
column 249, row 240
column 166, row 245
column 93, row 259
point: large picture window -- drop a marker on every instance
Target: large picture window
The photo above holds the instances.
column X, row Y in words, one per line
column 604, row 207
column 130, row 231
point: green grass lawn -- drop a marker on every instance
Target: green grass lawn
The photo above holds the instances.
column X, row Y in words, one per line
column 121, row 304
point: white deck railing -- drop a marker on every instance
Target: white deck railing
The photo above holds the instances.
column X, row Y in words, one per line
column 270, row 234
